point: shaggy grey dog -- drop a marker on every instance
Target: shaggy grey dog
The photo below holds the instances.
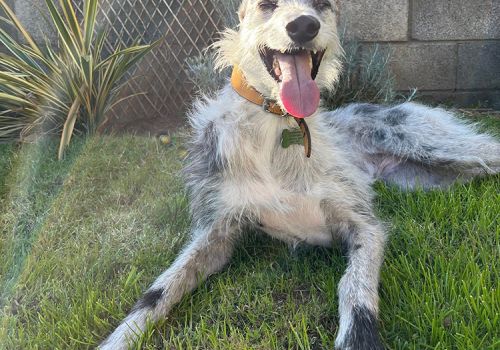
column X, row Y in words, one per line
column 241, row 174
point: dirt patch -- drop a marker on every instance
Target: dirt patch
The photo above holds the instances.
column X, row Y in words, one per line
column 154, row 126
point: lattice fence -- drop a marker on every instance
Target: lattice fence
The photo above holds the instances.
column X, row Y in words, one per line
column 188, row 26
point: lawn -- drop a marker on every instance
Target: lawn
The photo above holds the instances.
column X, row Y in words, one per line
column 82, row 238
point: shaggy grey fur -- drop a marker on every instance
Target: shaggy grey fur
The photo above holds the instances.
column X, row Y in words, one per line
column 413, row 145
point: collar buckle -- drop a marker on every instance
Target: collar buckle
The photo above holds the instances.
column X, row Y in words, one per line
column 266, row 104
column 269, row 103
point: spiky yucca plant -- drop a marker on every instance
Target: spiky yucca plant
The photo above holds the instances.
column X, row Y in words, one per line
column 47, row 89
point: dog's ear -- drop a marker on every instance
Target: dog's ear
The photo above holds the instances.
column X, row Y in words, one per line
column 242, row 10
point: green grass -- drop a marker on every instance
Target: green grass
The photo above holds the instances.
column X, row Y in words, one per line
column 491, row 124
column 81, row 239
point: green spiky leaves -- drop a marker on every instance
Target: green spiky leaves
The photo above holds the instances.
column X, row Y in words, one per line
column 65, row 90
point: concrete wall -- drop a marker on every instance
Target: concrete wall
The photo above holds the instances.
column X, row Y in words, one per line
column 448, row 49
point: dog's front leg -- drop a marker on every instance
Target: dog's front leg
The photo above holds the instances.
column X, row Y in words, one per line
column 207, row 253
column 358, row 288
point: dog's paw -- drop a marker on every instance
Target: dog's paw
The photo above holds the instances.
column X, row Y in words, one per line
column 363, row 333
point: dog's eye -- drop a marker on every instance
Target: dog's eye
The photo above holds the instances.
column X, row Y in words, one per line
column 268, row 5
column 322, row 5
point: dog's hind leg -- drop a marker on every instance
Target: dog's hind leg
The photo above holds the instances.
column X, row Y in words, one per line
column 358, row 288
column 208, row 252
column 413, row 145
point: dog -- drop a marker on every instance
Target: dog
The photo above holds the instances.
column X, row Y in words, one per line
column 265, row 155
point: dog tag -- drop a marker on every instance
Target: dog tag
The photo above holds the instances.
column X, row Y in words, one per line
column 291, row 137
column 300, row 136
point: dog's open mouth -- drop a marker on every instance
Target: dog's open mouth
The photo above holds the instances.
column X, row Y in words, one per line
column 295, row 71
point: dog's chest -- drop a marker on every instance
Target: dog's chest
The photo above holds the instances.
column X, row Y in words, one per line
column 298, row 215
column 285, row 197
column 299, row 218
column 279, row 187
column 286, row 214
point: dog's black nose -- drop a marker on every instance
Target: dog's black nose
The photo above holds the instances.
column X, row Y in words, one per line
column 303, row 29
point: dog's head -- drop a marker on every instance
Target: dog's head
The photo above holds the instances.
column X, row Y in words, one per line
column 287, row 49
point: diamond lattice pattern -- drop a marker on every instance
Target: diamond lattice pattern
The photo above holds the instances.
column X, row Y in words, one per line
column 160, row 81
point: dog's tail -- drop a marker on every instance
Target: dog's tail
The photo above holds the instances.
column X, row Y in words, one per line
column 412, row 145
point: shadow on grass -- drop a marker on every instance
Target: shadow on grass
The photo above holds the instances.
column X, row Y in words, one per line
column 34, row 180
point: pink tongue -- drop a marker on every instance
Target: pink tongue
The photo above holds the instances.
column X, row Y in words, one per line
column 298, row 91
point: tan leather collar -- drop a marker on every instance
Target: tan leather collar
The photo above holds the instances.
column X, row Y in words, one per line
column 240, row 85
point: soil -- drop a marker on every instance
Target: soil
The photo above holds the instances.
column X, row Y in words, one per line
column 153, row 126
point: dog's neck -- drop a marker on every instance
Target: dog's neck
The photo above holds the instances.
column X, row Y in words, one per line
column 240, row 85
